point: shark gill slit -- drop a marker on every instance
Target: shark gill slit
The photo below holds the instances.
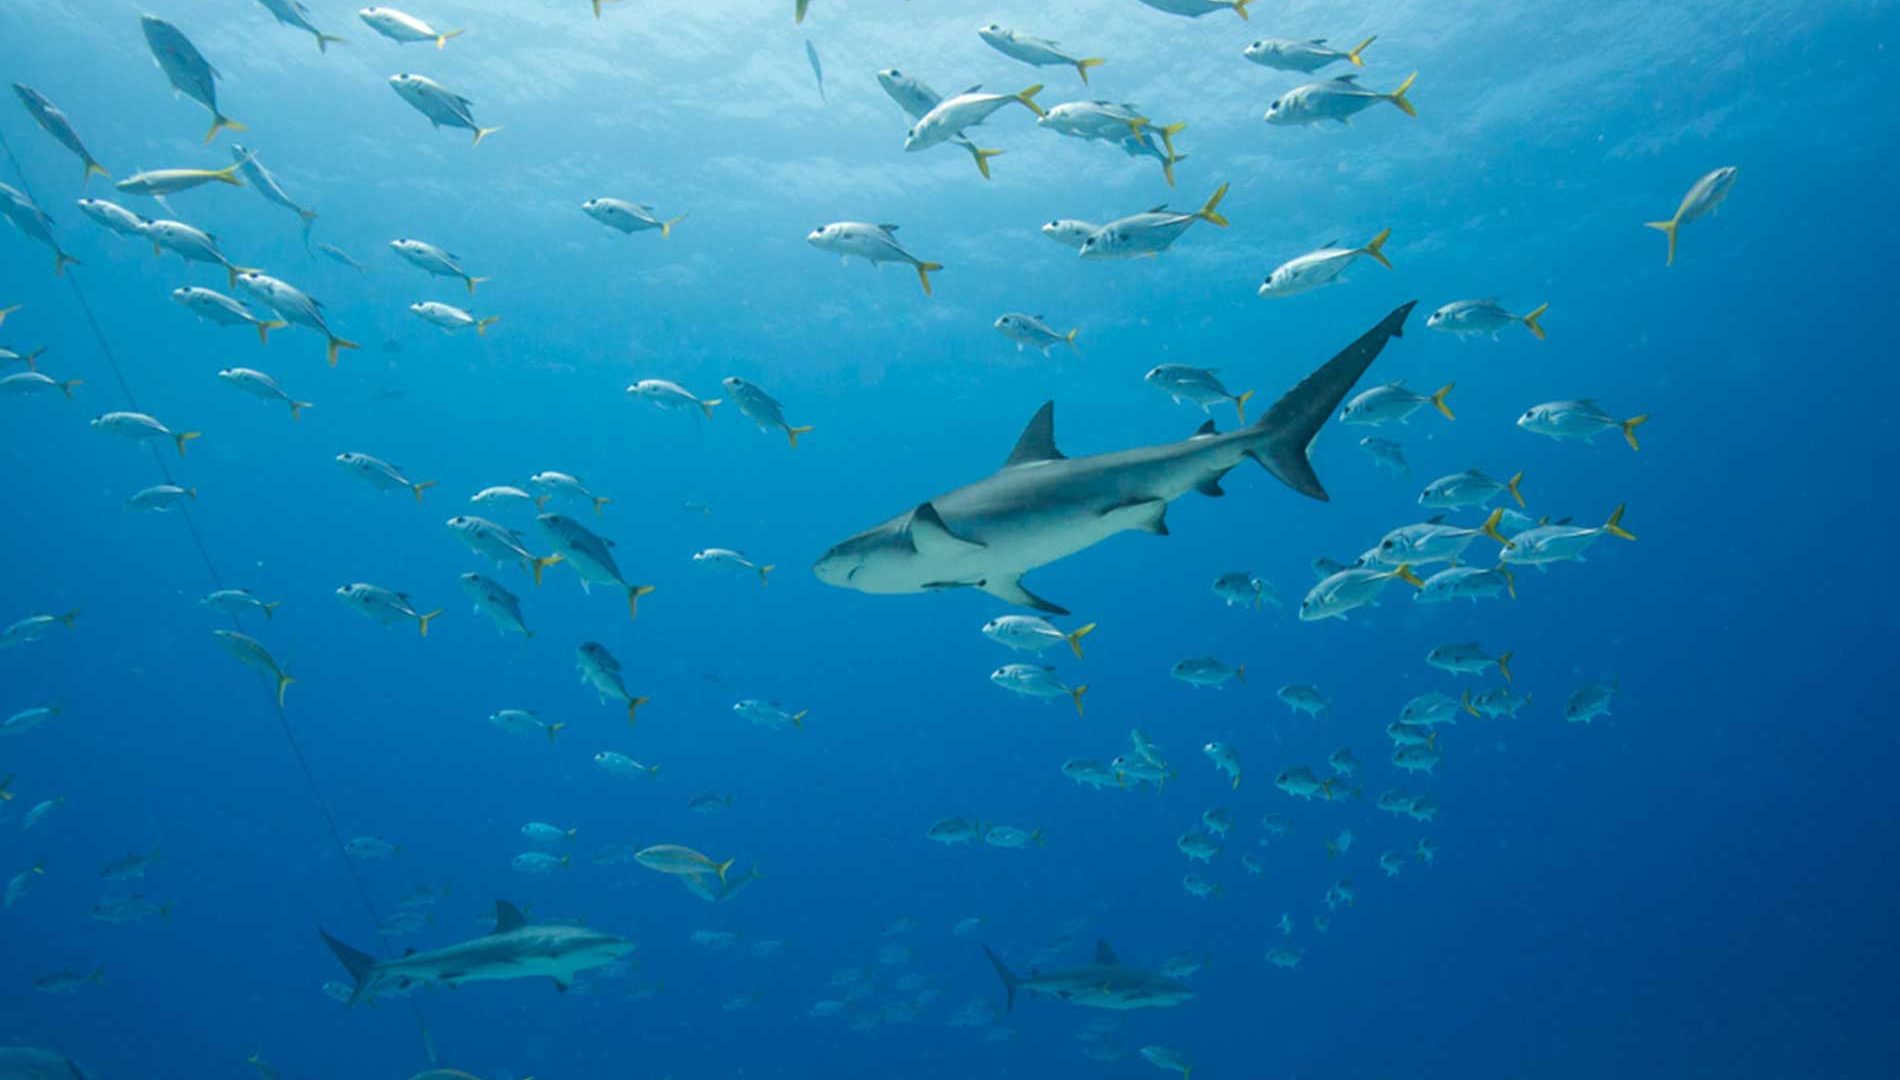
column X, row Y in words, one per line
column 217, row 582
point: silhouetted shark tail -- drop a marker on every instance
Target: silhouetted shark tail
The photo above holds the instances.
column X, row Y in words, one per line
column 358, row 964
column 1003, row 973
column 1286, row 430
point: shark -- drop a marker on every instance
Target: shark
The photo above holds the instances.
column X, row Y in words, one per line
column 515, row 950
column 1042, row 505
column 1104, row 984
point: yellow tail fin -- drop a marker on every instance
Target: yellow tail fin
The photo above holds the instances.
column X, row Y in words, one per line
column 1530, row 321
column 220, row 122
column 183, row 437
column 1510, row 582
column 471, row 282
column 792, row 434
column 1464, row 702
column 61, row 261
column 324, row 41
column 1240, row 407
column 1376, row 248
column 6, row 311
column 482, row 325
column 723, row 867
column 418, row 489
column 483, row 133
column 1076, row 694
column 297, row 408
column 634, row 593
column 1512, row 486
column 1629, row 429
column 541, row 564
column 1668, row 229
column 1397, row 97
column 265, row 326
column 1027, row 96
column 554, row 729
column 708, row 405
column 798, row 10
column 633, row 709
column 67, row 387
column 1614, row 526
column 1438, row 400
column 1075, row 638
column 93, row 168
column 600, row 501
column 442, row 40
column 422, row 621
column 798, row 719
column 923, row 275
column 764, row 570
column 270, row 609
column 1083, row 65
column 983, row 157
column 1354, row 54
column 338, row 343
column 231, row 272
column 666, row 227
column 1240, row 9
column 1491, row 528
column 283, row 684
column 1504, row 665
column 1404, row 573
column 1208, row 212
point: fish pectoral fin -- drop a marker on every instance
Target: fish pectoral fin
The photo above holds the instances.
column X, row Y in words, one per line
column 929, row 535
column 1148, row 515
column 1012, row 590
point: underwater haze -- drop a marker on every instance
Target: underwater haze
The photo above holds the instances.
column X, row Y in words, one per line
column 1677, row 858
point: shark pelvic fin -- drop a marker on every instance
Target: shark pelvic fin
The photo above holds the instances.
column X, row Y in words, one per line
column 1038, row 440
column 1011, row 589
column 930, row 536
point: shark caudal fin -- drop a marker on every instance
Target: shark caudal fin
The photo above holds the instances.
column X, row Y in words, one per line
column 360, row 965
column 1009, row 978
column 1283, row 434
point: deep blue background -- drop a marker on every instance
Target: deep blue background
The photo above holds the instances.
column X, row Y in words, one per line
column 1699, row 885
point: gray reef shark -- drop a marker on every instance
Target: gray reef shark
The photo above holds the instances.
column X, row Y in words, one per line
column 516, row 950
column 1105, row 984
column 1042, row 505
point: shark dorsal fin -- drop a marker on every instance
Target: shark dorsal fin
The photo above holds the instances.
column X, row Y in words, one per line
column 1435, row 519
column 1206, row 428
column 930, row 536
column 1104, row 955
column 508, row 917
column 1038, row 440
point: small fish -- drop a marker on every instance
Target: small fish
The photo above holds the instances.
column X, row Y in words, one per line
column 68, row 982
column 450, row 318
column 600, row 670
column 1590, row 702
column 403, row 28
column 8, row 356
column 383, row 605
column 1197, row 886
column 1416, row 758
column 114, row 217
column 951, row 831
column 187, row 70
column 671, row 396
column 337, row 254
column 139, row 427
column 252, row 654
column 1392, row 401
column 1197, row 386
column 1225, row 758
column 770, row 714
column 290, row 303
column 130, row 867
column 1403, row 733
column 34, row 627
column 1546, row 544
column 215, row 307
column 1343, row 763
column 1150, row 232
column 523, row 722
column 442, row 106
column 1469, row 658
column 159, row 498
column 557, row 483
column 629, row 217
column 1087, row 772
column 622, row 765
column 1036, row 681
column 1432, row 541
column 1031, row 332
column 1202, row 671
column 18, row 883
column 1583, row 419
column 434, row 261
column 1302, row 698
column 1704, row 197
column 710, row 802
column 677, row 860
column 1389, row 455
column 1304, row 57
column 157, row 182
column 949, row 117
column 27, row 719
column 1198, row 846
column 502, row 495
column 1470, row 489
column 761, row 408
column 1033, row 634
column 591, row 556
column 1285, row 957
column 1426, row 851
column 236, row 602
column 1322, row 267
column 917, row 99
column 293, row 14
column 1300, row 783
column 1194, row 9
column 27, row 217
column 1498, row 701
column 1339, row 99
column 817, row 69
column 192, row 245
column 1475, row 318
column 380, row 474
column 1433, row 707
column 1467, row 583
column 730, row 560
column 873, row 243
column 55, row 123
column 539, row 862
column 372, row 847
column 1009, row 836
column 1035, row 51
column 262, row 386
column 1241, row 589
column 267, row 186
column 502, row 607
column 38, row 813
column 24, row 383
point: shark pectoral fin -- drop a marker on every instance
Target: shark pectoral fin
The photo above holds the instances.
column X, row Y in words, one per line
column 1148, row 515
column 1011, row 589
column 931, row 537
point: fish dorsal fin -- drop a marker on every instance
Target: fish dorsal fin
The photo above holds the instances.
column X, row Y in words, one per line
column 1104, row 955
column 930, row 536
column 1317, row 41
column 973, row 89
column 1038, row 440
column 1162, row 209
column 508, row 917
column 888, row 228
column 1353, row 79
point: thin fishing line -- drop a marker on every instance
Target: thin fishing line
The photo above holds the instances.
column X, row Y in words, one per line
column 217, row 581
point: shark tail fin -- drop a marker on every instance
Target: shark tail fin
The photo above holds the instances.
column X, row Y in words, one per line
column 1668, row 229
column 1530, row 321
column 1286, row 430
column 1002, row 972
column 359, row 964
column 1356, row 55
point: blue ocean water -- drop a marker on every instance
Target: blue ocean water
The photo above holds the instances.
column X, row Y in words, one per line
column 1695, row 885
